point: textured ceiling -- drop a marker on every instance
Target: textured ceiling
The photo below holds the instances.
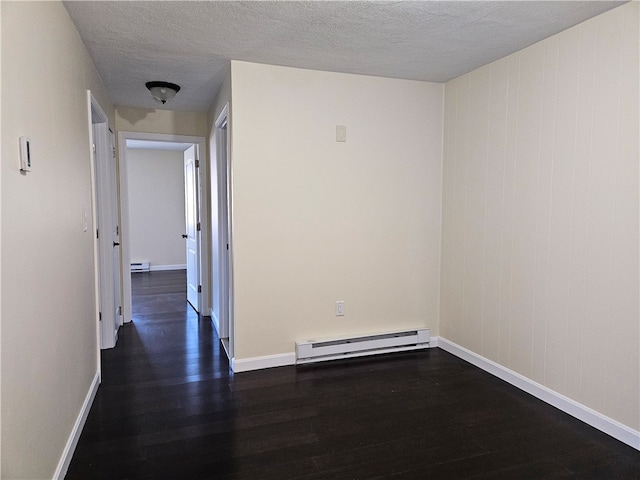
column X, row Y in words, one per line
column 191, row 43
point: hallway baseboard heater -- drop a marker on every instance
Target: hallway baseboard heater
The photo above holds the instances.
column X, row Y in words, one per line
column 140, row 267
column 359, row 346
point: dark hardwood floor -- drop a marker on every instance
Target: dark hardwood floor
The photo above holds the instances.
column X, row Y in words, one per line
column 168, row 407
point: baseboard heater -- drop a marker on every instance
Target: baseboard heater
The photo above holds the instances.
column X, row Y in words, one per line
column 140, row 267
column 359, row 346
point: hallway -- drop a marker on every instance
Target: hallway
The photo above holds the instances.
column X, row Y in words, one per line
column 157, row 386
column 168, row 407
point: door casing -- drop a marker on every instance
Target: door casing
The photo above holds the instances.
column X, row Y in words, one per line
column 224, row 191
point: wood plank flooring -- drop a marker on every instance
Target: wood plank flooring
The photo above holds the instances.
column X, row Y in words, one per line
column 169, row 407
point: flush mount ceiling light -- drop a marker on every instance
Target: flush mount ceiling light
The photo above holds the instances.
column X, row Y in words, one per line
column 163, row 91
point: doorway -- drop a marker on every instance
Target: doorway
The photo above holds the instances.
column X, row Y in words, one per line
column 107, row 229
column 223, row 314
column 175, row 240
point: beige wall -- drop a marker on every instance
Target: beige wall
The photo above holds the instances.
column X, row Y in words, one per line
column 48, row 304
column 133, row 119
column 316, row 221
column 156, row 206
column 0, row 258
column 217, row 169
column 540, row 222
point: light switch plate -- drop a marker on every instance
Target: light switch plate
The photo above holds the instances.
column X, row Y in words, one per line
column 341, row 133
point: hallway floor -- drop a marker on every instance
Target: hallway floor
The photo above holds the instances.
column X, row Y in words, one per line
column 168, row 407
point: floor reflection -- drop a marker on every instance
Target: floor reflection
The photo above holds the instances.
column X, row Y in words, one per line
column 164, row 395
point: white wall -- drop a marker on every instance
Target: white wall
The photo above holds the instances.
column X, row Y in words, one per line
column 316, row 221
column 49, row 325
column 156, row 206
column 540, row 222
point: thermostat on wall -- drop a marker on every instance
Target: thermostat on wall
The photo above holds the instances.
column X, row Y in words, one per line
column 25, row 155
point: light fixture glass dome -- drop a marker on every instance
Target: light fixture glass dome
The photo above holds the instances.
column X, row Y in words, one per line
column 162, row 91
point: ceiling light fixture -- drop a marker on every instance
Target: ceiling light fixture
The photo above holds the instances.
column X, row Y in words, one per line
column 163, row 91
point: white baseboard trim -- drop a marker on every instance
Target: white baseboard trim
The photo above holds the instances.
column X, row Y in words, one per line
column 72, row 441
column 258, row 363
column 433, row 342
column 214, row 319
column 589, row 416
column 157, row 268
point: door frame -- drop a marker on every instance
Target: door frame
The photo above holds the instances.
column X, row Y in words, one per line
column 104, row 197
column 205, row 300
column 223, row 184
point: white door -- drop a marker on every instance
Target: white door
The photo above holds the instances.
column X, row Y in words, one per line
column 106, row 230
column 192, row 226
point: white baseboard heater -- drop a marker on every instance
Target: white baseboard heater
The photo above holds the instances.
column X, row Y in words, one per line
column 140, row 267
column 358, row 346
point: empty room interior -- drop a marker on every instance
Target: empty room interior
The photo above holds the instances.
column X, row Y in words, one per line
column 457, row 181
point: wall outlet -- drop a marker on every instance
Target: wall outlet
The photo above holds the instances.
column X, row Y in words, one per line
column 340, row 308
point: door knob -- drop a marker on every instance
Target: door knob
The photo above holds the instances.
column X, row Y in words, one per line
column 184, row 235
column 116, row 244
